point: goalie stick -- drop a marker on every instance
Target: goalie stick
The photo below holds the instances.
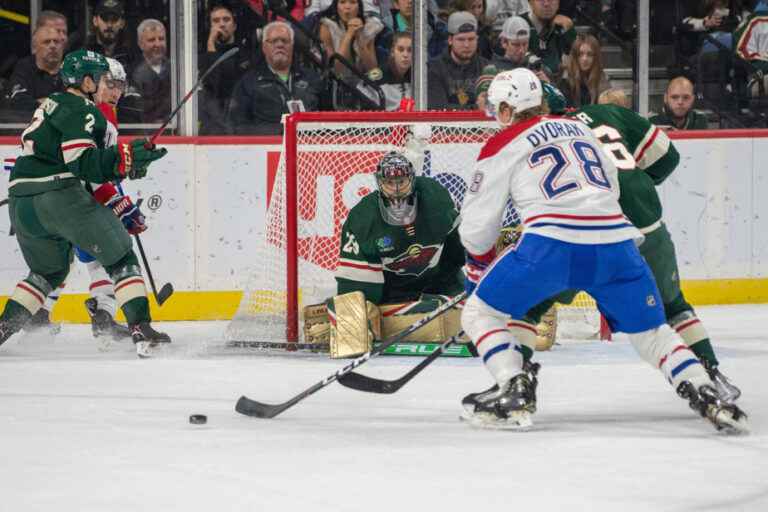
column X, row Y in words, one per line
column 367, row 384
column 256, row 409
column 224, row 56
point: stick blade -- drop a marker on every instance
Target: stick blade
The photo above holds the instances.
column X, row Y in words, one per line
column 367, row 384
column 164, row 294
column 256, row 409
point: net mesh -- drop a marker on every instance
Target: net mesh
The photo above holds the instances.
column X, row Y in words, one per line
column 335, row 165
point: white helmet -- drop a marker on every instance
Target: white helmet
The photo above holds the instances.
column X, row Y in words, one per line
column 116, row 69
column 519, row 88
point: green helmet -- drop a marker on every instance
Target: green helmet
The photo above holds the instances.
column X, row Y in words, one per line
column 81, row 63
column 555, row 99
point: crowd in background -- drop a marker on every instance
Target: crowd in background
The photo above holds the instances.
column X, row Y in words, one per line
column 357, row 55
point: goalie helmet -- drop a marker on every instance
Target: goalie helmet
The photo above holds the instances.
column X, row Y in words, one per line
column 519, row 88
column 395, row 178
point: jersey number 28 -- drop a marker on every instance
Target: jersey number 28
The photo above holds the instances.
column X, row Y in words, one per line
column 555, row 182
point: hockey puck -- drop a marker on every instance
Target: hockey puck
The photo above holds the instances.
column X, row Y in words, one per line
column 198, row 419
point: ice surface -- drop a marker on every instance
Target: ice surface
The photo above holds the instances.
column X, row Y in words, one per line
column 87, row 431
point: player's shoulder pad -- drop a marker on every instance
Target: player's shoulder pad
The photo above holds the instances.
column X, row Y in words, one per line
column 364, row 215
column 503, row 138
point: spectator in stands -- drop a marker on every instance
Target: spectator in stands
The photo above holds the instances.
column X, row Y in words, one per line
column 499, row 10
column 552, row 34
column 346, row 30
column 56, row 20
column 514, row 38
column 482, row 84
column 152, row 76
column 36, row 76
column 217, row 89
column 400, row 19
column 109, row 36
column 751, row 46
column 679, row 113
column 583, row 77
column 614, row 97
column 396, row 79
column 485, row 36
column 262, row 96
column 451, row 77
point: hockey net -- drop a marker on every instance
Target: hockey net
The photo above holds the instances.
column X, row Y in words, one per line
column 326, row 167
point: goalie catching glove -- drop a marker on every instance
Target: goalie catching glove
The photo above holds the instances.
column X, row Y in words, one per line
column 134, row 158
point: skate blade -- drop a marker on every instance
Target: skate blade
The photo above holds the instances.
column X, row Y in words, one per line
column 726, row 423
column 727, row 391
column 517, row 420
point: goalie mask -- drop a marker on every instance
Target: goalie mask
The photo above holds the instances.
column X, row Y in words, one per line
column 395, row 178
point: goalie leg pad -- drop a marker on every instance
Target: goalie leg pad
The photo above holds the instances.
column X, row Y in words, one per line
column 661, row 349
column 355, row 323
column 500, row 350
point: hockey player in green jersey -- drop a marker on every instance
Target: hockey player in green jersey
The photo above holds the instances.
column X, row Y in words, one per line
column 645, row 157
column 50, row 209
column 401, row 241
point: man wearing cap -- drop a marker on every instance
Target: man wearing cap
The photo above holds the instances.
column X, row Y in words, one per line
column 109, row 36
column 552, row 34
column 452, row 76
column 514, row 38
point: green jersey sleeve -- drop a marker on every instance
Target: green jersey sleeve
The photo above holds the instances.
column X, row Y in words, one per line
column 359, row 267
column 80, row 130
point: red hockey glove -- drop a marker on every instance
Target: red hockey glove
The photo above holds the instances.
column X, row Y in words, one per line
column 474, row 269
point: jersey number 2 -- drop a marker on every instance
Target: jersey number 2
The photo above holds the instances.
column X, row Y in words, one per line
column 589, row 163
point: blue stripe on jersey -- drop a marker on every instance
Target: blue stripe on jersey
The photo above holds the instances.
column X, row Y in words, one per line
column 682, row 366
column 581, row 228
column 495, row 350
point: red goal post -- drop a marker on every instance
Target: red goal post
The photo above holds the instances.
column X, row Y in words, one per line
column 327, row 165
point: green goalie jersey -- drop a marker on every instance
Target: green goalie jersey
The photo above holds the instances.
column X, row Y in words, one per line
column 399, row 263
column 62, row 145
column 643, row 154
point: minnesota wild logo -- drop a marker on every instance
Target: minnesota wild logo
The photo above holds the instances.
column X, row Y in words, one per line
column 414, row 261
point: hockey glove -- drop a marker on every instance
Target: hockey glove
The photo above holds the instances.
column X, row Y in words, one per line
column 132, row 218
column 134, row 158
column 475, row 268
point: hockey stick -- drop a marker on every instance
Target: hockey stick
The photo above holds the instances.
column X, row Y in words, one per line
column 367, row 384
column 167, row 290
column 262, row 410
column 4, row 202
column 224, row 56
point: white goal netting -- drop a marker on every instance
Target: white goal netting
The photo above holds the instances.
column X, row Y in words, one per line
column 329, row 160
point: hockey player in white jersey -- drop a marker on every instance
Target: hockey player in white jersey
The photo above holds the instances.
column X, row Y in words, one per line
column 575, row 237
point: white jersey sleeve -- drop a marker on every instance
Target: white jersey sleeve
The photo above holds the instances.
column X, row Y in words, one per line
column 558, row 178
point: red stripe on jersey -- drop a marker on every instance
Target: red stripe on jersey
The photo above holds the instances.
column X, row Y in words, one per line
column 522, row 325
column 744, row 41
column 109, row 112
column 647, row 145
column 78, row 145
column 575, row 217
column 504, row 137
column 484, row 336
column 687, row 324
column 361, row 266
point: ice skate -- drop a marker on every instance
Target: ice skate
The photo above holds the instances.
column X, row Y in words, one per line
column 40, row 323
column 728, row 392
column 471, row 400
column 147, row 340
column 104, row 327
column 706, row 401
column 508, row 407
